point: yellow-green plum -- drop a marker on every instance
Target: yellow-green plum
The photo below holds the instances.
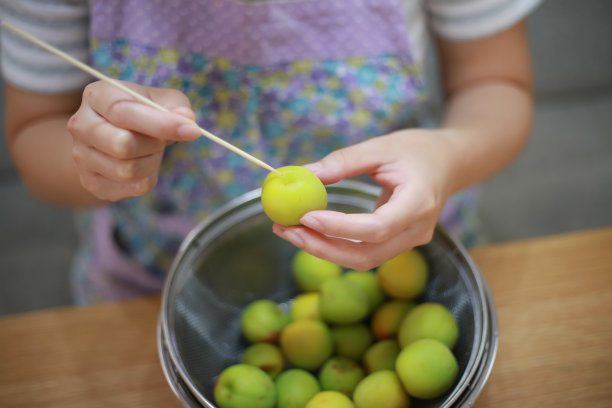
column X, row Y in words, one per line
column 266, row 356
column 306, row 344
column 386, row 320
column 405, row 276
column 351, row 340
column 381, row 389
column 368, row 281
column 244, row 386
column 427, row 368
column 310, row 271
column 262, row 320
column 429, row 320
column 342, row 301
column 305, row 306
column 340, row 374
column 295, row 387
column 330, row 399
column 287, row 196
column 381, row 356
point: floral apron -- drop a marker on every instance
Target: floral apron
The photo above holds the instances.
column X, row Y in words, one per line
column 288, row 81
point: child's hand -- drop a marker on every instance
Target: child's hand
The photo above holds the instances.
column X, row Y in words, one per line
column 118, row 142
column 412, row 166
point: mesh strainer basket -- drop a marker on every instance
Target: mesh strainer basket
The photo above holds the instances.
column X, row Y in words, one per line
column 233, row 258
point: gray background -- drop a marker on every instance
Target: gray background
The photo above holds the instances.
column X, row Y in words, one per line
column 562, row 181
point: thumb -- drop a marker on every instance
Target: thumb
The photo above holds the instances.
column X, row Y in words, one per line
column 361, row 158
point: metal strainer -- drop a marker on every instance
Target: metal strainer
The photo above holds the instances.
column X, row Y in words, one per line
column 233, row 258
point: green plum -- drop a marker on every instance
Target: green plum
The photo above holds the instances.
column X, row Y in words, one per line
column 405, row 276
column 295, row 387
column 244, row 386
column 305, row 306
column 351, row 340
column 429, row 320
column 387, row 318
column 340, row 374
column 266, row 356
column 427, row 368
column 381, row 355
column 368, row 281
column 342, row 301
column 381, row 389
column 330, row 399
column 263, row 320
column 292, row 192
column 310, row 271
column 306, row 344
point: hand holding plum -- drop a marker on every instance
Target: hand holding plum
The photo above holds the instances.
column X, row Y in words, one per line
column 413, row 168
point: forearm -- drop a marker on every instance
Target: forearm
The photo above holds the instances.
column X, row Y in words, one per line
column 488, row 86
column 486, row 126
column 41, row 151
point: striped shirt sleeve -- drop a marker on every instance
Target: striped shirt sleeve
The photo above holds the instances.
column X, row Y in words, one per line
column 62, row 23
column 473, row 19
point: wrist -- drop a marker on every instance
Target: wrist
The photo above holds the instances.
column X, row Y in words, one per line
column 452, row 146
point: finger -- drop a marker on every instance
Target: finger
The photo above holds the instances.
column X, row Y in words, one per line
column 124, row 144
column 124, row 112
column 110, row 190
column 119, row 170
column 356, row 255
column 361, row 158
column 384, row 197
column 94, row 130
column 379, row 226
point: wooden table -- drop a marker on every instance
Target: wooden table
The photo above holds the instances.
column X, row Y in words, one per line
column 554, row 304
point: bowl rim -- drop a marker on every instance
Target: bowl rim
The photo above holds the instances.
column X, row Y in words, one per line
column 465, row 382
column 172, row 377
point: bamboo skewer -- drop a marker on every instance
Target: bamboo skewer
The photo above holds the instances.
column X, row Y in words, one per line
column 130, row 92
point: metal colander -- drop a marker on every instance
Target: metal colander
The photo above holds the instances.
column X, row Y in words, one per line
column 233, row 258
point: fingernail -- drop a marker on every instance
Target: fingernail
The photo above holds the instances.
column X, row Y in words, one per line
column 121, row 142
column 294, row 237
column 142, row 186
column 314, row 167
column 188, row 131
column 311, row 222
column 124, row 171
column 289, row 234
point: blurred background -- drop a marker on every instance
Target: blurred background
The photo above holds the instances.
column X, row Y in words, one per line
column 562, row 181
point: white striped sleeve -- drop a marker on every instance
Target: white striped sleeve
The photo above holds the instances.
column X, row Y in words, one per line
column 62, row 23
column 473, row 19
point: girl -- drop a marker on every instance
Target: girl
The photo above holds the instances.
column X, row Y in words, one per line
column 339, row 86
